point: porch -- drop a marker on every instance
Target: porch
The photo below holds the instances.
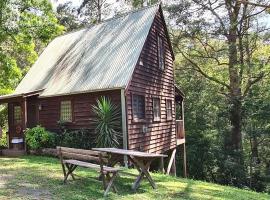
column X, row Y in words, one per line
column 21, row 115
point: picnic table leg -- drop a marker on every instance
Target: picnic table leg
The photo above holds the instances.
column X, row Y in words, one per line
column 102, row 175
column 144, row 167
column 64, row 169
column 136, row 184
column 70, row 168
column 110, row 184
column 113, row 186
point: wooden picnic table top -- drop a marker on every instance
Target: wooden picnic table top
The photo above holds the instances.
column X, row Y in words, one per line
column 129, row 152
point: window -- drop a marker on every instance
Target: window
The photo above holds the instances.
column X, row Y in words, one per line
column 66, row 111
column 156, row 109
column 169, row 109
column 17, row 114
column 160, row 52
column 138, row 106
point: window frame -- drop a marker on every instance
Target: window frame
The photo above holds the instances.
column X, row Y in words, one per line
column 14, row 118
column 156, row 119
column 71, row 112
column 169, row 117
column 161, row 54
column 135, row 118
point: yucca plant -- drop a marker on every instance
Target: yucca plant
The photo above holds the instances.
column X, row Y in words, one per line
column 107, row 122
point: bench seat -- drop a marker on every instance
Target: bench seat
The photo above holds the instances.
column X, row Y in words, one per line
column 91, row 165
column 70, row 158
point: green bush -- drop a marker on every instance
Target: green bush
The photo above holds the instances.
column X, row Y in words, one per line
column 38, row 138
column 3, row 141
column 78, row 139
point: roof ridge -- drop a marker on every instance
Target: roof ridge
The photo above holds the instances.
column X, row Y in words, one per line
column 110, row 19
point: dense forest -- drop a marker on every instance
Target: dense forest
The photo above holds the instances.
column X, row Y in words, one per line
column 222, row 50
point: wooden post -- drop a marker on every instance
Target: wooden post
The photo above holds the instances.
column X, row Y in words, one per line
column 184, row 160
column 173, row 170
column 161, row 165
column 24, row 119
column 171, row 161
column 124, row 124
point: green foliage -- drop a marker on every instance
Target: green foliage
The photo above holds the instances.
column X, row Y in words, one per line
column 141, row 3
column 26, row 27
column 3, row 141
column 80, row 139
column 68, row 17
column 226, row 83
column 45, row 174
column 107, row 122
column 38, row 137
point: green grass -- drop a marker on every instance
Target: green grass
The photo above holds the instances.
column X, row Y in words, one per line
column 34, row 177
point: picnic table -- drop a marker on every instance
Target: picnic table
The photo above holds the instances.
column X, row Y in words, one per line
column 141, row 160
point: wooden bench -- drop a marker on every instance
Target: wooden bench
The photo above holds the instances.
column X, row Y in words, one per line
column 71, row 158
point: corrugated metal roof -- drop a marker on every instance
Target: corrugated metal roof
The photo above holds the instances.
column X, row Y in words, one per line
column 96, row 58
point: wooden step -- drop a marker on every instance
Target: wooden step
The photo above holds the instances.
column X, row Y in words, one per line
column 12, row 152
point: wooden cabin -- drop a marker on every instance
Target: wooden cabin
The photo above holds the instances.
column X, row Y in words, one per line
column 128, row 59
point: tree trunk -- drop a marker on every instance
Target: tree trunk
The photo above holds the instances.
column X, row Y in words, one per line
column 99, row 4
column 236, row 125
column 234, row 78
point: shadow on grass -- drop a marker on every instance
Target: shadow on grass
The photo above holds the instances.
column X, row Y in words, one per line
column 35, row 177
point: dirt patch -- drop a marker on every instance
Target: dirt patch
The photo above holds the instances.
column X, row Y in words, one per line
column 25, row 190
column 34, row 193
column 4, row 178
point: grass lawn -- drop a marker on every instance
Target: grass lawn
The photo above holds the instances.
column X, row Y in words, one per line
column 34, row 177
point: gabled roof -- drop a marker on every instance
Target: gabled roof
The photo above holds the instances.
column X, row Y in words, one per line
column 100, row 57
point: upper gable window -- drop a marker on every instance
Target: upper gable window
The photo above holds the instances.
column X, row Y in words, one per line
column 160, row 41
column 66, row 111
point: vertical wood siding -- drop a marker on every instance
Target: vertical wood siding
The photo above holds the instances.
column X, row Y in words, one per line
column 150, row 81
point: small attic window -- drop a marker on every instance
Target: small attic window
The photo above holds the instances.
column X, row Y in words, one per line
column 160, row 42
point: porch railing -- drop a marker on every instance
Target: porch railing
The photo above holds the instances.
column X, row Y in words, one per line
column 180, row 130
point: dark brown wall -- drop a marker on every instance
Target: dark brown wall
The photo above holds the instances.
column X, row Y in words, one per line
column 82, row 114
column 150, row 81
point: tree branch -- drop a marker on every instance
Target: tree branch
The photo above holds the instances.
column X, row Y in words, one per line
column 197, row 68
column 252, row 82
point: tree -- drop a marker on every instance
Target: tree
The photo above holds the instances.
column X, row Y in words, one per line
column 93, row 9
column 67, row 16
column 142, row 3
column 225, row 35
column 25, row 28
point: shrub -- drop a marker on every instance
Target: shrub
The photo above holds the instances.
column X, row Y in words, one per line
column 78, row 139
column 38, row 137
column 3, row 141
column 107, row 122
